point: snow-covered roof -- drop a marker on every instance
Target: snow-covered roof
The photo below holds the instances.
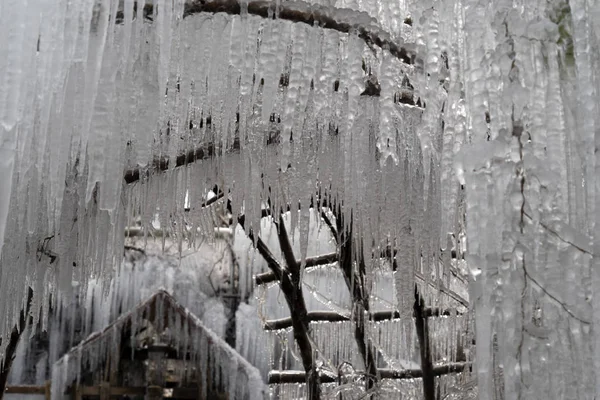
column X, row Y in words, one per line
column 163, row 311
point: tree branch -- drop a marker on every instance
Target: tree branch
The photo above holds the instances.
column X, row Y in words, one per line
column 332, row 316
column 292, row 290
column 356, row 284
column 298, row 310
column 422, row 328
column 278, row 377
column 11, row 349
column 268, row 277
column 344, row 21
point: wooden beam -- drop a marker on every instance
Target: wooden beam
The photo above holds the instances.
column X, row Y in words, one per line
column 25, row 389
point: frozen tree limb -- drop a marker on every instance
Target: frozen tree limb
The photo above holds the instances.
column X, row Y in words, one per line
column 300, row 321
column 13, row 342
column 422, row 328
column 268, row 277
column 356, row 284
column 163, row 164
column 289, row 280
column 341, row 20
column 332, row 316
column 344, row 21
column 278, row 377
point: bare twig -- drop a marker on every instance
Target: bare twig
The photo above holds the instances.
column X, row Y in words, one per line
column 552, row 231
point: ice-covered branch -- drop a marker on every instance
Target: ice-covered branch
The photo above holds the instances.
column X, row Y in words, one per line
column 163, row 164
column 359, row 293
column 332, row 316
column 289, row 281
column 13, row 341
column 422, row 328
column 291, row 285
column 341, row 20
column 278, row 377
column 310, row 262
column 269, row 277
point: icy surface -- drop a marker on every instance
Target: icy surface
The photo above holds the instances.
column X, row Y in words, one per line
column 101, row 107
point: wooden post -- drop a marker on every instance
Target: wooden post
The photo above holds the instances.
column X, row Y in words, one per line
column 76, row 392
column 47, row 390
column 154, row 393
column 105, row 391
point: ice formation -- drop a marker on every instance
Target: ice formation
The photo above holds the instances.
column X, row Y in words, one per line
column 112, row 111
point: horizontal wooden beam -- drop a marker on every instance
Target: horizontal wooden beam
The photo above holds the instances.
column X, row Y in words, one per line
column 279, row 377
column 25, row 389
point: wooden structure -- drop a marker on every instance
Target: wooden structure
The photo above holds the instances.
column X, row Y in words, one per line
column 157, row 350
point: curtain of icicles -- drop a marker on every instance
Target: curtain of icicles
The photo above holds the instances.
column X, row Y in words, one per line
column 92, row 90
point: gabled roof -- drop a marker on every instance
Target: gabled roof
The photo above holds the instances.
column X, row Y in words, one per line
column 162, row 310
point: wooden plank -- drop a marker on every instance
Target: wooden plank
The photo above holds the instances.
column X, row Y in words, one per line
column 114, row 391
column 105, row 391
column 181, row 393
column 26, row 389
column 77, row 392
column 185, row 393
column 122, row 391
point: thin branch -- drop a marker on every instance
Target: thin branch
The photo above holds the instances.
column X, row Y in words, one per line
column 552, row 231
column 556, row 299
column 278, row 377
